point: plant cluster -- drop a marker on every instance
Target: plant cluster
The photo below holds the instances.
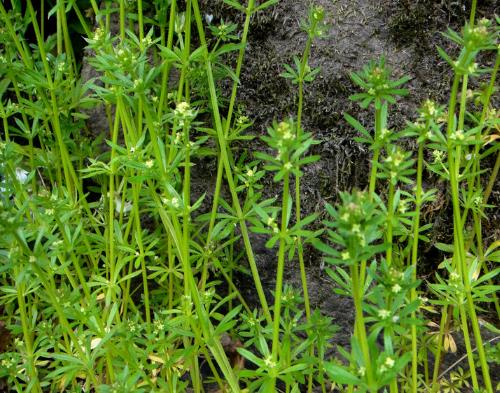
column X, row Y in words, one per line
column 116, row 276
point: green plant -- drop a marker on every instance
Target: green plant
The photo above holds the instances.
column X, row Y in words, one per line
column 117, row 275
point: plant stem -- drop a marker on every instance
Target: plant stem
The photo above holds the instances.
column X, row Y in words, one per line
column 360, row 330
column 280, row 269
column 376, row 152
column 298, row 214
column 141, row 21
column 437, row 360
column 390, row 215
column 227, row 167
column 122, row 20
column 27, row 334
column 414, row 260
column 459, row 240
column 227, row 127
column 172, row 226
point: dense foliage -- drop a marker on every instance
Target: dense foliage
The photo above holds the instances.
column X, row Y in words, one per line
column 116, row 277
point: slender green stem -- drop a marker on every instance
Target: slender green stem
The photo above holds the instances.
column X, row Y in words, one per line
column 173, row 228
column 280, row 269
column 468, row 346
column 166, row 66
column 298, row 213
column 110, row 265
column 376, row 152
column 360, row 328
column 122, row 20
column 227, row 166
column 390, row 215
column 459, row 239
column 27, row 333
column 414, row 260
column 68, row 47
column 141, row 21
column 227, row 127
column 437, row 359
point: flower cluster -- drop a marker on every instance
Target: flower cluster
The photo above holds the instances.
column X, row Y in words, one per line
column 183, row 113
column 356, row 225
column 397, row 166
column 290, row 149
column 315, row 25
column 477, row 36
column 375, row 80
column 224, row 32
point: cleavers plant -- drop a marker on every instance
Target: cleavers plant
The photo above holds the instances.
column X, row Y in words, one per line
column 117, row 275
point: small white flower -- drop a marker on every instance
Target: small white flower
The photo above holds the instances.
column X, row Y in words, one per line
column 98, row 34
column 127, row 206
column 288, row 166
column 147, row 41
column 242, row 120
column 149, row 163
column 472, row 68
column 209, row 18
column 269, row 362
column 21, row 175
column 423, row 299
column 438, row 155
column 403, row 206
column 250, row 173
column 389, row 362
column 287, row 135
column 396, row 288
column 137, row 83
column 175, row 202
column 458, row 135
column 383, row 314
column 384, row 133
column 346, row 255
column 95, row 342
column 430, row 107
column 183, row 109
